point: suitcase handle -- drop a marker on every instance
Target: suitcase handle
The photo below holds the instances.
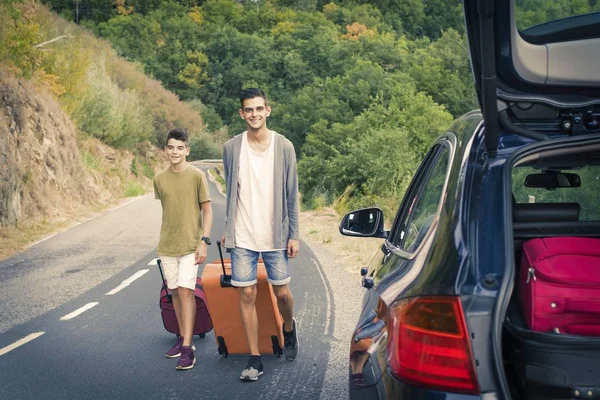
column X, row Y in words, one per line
column 225, row 279
column 582, row 306
column 164, row 281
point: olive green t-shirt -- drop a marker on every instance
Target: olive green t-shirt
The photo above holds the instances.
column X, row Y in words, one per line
column 180, row 194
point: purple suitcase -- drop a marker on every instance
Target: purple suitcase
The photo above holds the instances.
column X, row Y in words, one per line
column 203, row 322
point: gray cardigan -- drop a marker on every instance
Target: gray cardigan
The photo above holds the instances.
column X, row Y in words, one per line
column 285, row 190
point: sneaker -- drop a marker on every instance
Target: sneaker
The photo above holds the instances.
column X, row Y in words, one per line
column 175, row 351
column 187, row 359
column 290, row 343
column 253, row 370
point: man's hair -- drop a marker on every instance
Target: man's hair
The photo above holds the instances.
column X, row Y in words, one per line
column 251, row 93
column 178, row 134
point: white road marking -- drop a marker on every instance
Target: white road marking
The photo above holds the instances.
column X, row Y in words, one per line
column 40, row 241
column 153, row 262
column 327, row 295
column 20, row 342
column 78, row 311
column 127, row 282
column 127, row 202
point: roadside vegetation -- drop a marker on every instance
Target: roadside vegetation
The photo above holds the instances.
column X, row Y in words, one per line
column 345, row 79
column 107, row 97
column 81, row 127
column 360, row 87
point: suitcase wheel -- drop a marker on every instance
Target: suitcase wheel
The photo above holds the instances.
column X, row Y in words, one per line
column 222, row 347
column 202, row 335
column 276, row 347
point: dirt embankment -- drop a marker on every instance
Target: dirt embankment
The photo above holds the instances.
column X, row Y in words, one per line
column 49, row 175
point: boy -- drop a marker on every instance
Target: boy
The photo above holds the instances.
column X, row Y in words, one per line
column 261, row 219
column 187, row 219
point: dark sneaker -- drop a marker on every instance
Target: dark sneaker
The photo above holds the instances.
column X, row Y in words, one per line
column 175, row 351
column 290, row 343
column 187, row 359
column 253, row 370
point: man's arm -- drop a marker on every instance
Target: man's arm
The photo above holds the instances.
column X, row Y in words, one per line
column 156, row 190
column 293, row 207
column 207, row 221
column 226, row 174
column 225, row 166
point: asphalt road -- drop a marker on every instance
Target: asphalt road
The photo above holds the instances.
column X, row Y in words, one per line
column 80, row 320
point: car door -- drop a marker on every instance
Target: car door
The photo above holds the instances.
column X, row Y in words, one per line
column 414, row 222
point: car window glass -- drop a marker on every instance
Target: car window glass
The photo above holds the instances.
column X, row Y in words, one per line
column 535, row 12
column 587, row 195
column 424, row 204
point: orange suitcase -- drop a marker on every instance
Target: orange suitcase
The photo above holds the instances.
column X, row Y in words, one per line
column 224, row 305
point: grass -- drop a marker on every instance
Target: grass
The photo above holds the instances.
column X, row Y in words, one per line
column 148, row 171
column 90, row 161
column 217, row 174
column 17, row 237
column 14, row 239
column 320, row 229
column 134, row 189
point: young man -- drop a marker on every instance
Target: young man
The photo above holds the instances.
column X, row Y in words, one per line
column 261, row 218
column 187, row 219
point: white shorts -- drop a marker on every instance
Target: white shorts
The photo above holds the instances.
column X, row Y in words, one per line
column 180, row 271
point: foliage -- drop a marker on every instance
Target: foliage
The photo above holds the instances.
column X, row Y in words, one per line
column 133, row 189
column 360, row 87
column 19, row 33
column 107, row 97
column 114, row 115
column 380, row 153
column 442, row 70
column 342, row 82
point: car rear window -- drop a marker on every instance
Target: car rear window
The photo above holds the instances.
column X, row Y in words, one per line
column 587, row 195
column 535, row 12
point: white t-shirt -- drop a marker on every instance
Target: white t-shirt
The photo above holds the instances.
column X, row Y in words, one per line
column 254, row 221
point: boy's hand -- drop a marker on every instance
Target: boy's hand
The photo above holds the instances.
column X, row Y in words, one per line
column 201, row 253
column 293, row 247
column 223, row 240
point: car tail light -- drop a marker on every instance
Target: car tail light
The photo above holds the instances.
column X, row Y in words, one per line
column 428, row 345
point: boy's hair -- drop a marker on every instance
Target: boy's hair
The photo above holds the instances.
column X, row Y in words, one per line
column 177, row 134
column 251, row 93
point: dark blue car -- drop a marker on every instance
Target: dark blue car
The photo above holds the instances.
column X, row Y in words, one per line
column 438, row 291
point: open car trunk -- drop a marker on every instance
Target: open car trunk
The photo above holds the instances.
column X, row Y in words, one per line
column 551, row 331
column 539, row 80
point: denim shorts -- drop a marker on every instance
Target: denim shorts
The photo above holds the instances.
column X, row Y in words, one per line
column 244, row 263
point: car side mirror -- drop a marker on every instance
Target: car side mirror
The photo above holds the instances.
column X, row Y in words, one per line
column 366, row 222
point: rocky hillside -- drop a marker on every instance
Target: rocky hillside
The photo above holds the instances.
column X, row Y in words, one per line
column 49, row 173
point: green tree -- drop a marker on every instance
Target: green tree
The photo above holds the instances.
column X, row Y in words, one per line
column 442, row 70
column 398, row 127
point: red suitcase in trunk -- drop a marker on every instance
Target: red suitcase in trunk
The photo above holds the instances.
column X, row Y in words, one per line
column 559, row 285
